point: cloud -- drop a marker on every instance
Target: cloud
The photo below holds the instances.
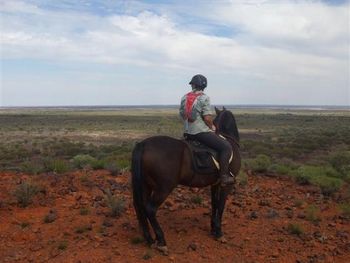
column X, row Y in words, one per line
column 273, row 41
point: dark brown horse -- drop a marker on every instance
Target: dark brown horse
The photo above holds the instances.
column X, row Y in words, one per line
column 160, row 163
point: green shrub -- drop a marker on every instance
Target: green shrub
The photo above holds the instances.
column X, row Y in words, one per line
column 116, row 205
column 340, row 161
column 295, row 229
column 83, row 229
column 242, row 179
column 81, row 161
column 147, row 255
column 25, row 192
column 328, row 185
column 322, row 176
column 63, row 245
column 136, row 240
column 280, row 169
column 24, row 224
column 123, row 164
column 98, row 164
column 298, row 203
column 313, row 214
column 57, row 166
column 112, row 168
column 260, row 164
column 302, row 179
column 197, row 199
column 345, row 209
column 84, row 211
column 32, row 167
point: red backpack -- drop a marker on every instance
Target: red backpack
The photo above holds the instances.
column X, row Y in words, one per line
column 191, row 97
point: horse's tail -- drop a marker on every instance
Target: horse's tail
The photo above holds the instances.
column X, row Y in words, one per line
column 137, row 183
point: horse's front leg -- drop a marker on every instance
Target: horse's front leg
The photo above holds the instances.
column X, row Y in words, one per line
column 218, row 199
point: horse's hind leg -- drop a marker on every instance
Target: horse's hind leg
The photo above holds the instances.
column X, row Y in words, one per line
column 157, row 198
column 142, row 217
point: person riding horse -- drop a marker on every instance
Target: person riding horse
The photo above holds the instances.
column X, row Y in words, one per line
column 195, row 110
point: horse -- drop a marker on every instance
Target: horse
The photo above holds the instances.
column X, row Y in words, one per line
column 160, row 163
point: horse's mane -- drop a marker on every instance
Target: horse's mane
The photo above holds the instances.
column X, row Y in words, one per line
column 228, row 124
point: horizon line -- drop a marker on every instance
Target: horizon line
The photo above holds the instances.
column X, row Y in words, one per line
column 174, row 105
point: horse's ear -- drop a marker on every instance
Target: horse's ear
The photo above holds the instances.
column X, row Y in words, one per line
column 217, row 111
column 223, row 108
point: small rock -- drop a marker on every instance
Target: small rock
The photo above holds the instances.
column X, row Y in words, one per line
column 192, row 246
column 264, row 202
column 36, row 230
column 169, row 203
column 272, row 213
column 51, row 216
column 35, row 247
column 107, row 222
column 253, row 215
column 98, row 198
column 301, row 215
column 342, row 234
column 289, row 213
column 73, row 189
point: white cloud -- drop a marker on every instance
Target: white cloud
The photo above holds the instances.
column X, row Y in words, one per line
column 278, row 41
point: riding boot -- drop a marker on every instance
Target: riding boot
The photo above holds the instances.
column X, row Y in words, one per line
column 226, row 179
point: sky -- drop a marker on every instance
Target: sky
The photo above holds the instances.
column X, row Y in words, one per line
column 126, row 52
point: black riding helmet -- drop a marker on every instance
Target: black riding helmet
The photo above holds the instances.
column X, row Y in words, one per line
column 199, row 81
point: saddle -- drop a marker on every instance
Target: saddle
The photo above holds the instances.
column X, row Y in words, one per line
column 205, row 160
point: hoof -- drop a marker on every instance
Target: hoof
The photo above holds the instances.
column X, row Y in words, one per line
column 221, row 239
column 163, row 249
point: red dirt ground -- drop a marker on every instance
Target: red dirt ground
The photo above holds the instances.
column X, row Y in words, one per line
column 255, row 223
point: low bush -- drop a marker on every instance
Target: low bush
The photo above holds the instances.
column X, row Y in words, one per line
column 32, row 167
column 295, row 229
column 116, row 205
column 298, row 203
column 313, row 214
column 196, row 199
column 98, row 164
column 123, row 164
column 147, row 255
column 280, row 169
column 83, row 229
column 242, row 178
column 136, row 240
column 260, row 164
column 63, row 245
column 82, row 161
column 328, row 185
column 25, row 192
column 57, row 166
column 113, row 168
column 324, row 177
column 84, row 211
column 340, row 161
column 345, row 210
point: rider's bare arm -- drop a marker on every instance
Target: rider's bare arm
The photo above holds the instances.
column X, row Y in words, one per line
column 208, row 119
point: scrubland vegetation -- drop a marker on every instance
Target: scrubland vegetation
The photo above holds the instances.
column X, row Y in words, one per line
column 311, row 147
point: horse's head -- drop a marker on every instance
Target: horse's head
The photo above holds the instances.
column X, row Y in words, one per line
column 225, row 123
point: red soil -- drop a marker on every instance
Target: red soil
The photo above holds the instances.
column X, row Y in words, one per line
column 255, row 223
